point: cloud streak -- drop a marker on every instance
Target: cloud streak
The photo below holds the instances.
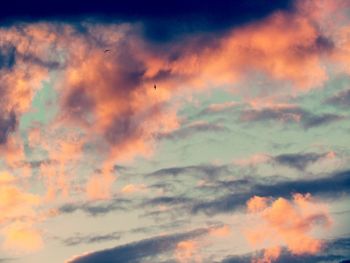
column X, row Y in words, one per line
column 332, row 186
column 140, row 250
column 290, row 115
column 89, row 239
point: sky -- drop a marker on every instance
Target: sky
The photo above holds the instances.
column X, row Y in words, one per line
column 240, row 154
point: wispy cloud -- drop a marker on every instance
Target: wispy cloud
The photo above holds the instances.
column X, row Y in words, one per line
column 92, row 238
column 298, row 161
column 332, row 186
column 290, row 115
column 342, row 99
column 97, row 208
column 207, row 170
column 193, row 129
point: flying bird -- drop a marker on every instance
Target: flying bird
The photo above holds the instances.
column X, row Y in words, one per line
column 155, row 87
column 107, row 50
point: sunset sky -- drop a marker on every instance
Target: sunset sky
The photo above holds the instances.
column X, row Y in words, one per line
column 240, row 154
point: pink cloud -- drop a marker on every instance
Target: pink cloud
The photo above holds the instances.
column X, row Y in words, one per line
column 287, row 223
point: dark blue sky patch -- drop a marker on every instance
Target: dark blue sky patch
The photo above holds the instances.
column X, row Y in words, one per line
column 163, row 20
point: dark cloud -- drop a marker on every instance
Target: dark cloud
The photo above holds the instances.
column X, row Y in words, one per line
column 35, row 60
column 162, row 20
column 208, row 170
column 336, row 250
column 193, row 129
column 97, row 208
column 167, row 200
column 311, row 121
column 298, row 161
column 290, row 115
column 89, row 239
column 122, row 128
column 323, row 43
column 37, row 163
column 157, row 227
column 7, row 57
column 8, row 124
column 342, row 99
column 140, row 250
column 333, row 186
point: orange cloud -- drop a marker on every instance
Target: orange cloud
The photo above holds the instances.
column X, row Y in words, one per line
column 132, row 188
column 283, row 46
column 187, row 251
column 257, row 204
column 220, row 231
column 18, row 213
column 22, row 237
column 252, row 160
column 287, row 223
column 98, row 186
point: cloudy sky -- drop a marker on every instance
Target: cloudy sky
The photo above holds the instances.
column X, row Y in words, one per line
column 240, row 154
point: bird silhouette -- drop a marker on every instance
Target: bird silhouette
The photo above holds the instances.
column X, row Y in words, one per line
column 107, row 50
column 155, row 87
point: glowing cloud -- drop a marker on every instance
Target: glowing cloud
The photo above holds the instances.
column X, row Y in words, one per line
column 287, row 223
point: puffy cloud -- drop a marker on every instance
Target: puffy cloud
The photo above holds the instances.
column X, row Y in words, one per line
column 287, row 223
column 257, row 204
